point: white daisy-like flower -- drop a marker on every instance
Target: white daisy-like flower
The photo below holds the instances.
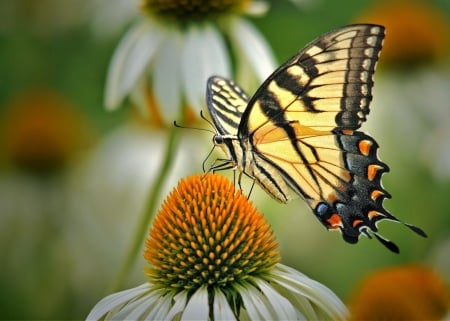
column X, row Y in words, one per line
column 214, row 257
column 167, row 56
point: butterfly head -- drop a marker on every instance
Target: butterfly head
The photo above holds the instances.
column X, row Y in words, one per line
column 218, row 140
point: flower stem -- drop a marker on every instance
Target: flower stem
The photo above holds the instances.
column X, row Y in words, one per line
column 149, row 210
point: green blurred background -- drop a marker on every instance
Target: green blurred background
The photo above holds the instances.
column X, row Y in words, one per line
column 73, row 177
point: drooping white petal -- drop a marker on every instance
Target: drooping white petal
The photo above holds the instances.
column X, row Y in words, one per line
column 178, row 307
column 245, row 76
column 138, row 95
column 222, row 309
column 137, row 308
column 304, row 307
column 204, row 55
column 252, row 47
column 166, row 80
column 197, row 308
column 130, row 59
column 114, row 300
column 161, row 308
column 255, row 303
column 317, row 293
column 282, row 307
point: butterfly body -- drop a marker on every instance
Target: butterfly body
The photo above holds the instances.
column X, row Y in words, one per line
column 298, row 134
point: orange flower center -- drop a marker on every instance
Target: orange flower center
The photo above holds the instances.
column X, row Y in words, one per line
column 206, row 233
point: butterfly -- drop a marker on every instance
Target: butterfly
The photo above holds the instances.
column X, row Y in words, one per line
column 298, row 133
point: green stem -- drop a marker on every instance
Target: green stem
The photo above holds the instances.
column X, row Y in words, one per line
column 149, row 210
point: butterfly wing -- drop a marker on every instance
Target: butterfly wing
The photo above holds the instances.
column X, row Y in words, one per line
column 301, row 125
column 226, row 103
column 327, row 84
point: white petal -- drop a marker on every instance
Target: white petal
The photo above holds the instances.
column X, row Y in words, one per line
column 114, row 300
column 129, row 61
column 138, row 95
column 178, row 307
column 204, row 55
column 222, row 309
column 216, row 53
column 166, row 76
column 161, row 308
column 283, row 308
column 135, row 309
column 198, row 307
column 255, row 303
column 316, row 292
column 245, row 76
column 257, row 8
column 253, row 47
column 303, row 306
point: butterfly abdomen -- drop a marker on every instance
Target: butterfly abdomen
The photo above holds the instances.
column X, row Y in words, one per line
column 263, row 172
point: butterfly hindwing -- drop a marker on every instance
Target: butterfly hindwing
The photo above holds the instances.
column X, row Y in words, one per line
column 298, row 131
column 226, row 102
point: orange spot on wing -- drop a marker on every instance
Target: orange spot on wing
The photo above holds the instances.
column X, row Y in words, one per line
column 345, row 175
column 356, row 222
column 364, row 147
column 332, row 198
column 334, row 221
column 375, row 194
column 372, row 214
column 372, row 171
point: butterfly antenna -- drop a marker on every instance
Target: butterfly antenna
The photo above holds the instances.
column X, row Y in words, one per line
column 196, row 128
column 208, row 121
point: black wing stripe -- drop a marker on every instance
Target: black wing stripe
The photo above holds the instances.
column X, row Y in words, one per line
column 226, row 102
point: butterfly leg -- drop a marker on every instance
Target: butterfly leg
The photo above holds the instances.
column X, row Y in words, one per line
column 224, row 165
column 251, row 189
column 240, row 183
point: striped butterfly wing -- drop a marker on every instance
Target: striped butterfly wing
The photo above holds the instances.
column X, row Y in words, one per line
column 298, row 133
column 226, row 102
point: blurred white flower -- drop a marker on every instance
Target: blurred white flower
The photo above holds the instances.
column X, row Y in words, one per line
column 169, row 54
column 108, row 191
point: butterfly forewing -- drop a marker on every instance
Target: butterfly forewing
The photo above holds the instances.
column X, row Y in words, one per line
column 297, row 133
column 325, row 86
